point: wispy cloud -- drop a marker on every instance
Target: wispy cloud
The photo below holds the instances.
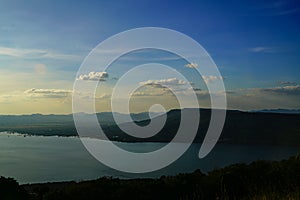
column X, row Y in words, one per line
column 285, row 8
column 286, row 90
column 48, row 93
column 40, row 68
column 293, row 90
column 288, row 11
column 137, row 55
column 22, row 52
column 277, row 8
column 35, row 53
column 262, row 98
column 263, row 49
column 8, row 98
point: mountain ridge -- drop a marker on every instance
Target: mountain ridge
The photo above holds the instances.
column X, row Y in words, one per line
column 240, row 127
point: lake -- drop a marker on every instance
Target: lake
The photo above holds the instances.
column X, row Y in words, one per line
column 34, row 159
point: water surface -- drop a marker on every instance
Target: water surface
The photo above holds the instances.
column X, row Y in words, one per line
column 33, row 159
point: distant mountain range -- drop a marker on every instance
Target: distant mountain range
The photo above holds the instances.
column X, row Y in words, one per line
column 240, row 127
column 279, row 110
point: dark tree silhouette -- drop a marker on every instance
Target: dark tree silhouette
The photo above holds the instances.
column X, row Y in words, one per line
column 11, row 190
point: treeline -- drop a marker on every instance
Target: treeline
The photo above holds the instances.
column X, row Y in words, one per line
column 258, row 180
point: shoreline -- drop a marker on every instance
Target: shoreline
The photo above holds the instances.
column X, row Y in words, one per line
column 230, row 142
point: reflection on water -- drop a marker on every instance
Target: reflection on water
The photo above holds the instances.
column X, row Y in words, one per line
column 46, row 159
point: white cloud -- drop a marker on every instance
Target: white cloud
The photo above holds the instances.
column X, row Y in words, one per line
column 48, row 93
column 94, row 76
column 103, row 96
column 169, row 82
column 287, row 83
column 209, row 79
column 150, row 93
column 192, row 65
column 137, row 94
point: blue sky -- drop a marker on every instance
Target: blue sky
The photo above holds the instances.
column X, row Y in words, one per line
column 256, row 45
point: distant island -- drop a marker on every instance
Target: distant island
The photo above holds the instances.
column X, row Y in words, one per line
column 240, row 127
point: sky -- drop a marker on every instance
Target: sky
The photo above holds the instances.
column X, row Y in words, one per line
column 254, row 44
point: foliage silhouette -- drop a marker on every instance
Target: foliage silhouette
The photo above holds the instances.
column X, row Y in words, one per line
column 258, row 180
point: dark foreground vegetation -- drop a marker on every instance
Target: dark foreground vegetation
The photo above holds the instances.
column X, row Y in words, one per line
column 258, row 180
